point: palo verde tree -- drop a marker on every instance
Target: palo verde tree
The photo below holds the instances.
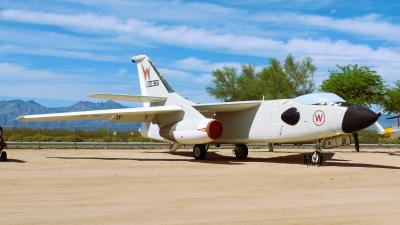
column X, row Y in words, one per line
column 391, row 104
column 300, row 75
column 273, row 81
column 247, row 82
column 226, row 84
column 356, row 84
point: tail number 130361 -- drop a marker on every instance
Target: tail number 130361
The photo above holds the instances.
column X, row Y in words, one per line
column 152, row 83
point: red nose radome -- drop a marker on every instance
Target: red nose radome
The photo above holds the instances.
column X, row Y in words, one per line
column 214, row 129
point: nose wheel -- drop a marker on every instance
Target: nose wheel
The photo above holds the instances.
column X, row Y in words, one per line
column 316, row 158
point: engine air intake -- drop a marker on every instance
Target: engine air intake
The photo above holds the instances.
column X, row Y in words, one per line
column 214, row 129
column 291, row 116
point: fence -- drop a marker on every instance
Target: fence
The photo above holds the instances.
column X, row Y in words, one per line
column 74, row 137
column 111, row 138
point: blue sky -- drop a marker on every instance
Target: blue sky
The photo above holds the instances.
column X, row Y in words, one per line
column 58, row 52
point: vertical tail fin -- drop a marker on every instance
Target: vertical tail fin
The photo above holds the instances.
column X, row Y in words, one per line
column 151, row 81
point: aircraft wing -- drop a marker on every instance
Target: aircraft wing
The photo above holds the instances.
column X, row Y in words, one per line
column 131, row 98
column 143, row 114
column 226, row 106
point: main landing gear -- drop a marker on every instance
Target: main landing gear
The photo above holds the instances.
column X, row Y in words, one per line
column 3, row 156
column 3, row 145
column 200, row 151
column 241, row 151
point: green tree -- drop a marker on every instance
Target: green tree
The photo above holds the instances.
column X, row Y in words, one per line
column 273, row 81
column 356, row 84
column 300, row 75
column 391, row 103
column 226, row 84
column 248, row 86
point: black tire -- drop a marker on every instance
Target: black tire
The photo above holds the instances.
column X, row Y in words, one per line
column 3, row 156
column 199, row 152
column 241, row 151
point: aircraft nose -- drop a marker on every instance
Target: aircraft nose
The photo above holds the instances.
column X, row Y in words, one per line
column 357, row 118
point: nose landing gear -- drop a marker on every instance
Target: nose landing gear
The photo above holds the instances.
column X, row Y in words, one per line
column 316, row 158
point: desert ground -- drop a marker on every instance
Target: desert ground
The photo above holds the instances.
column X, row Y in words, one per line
column 156, row 187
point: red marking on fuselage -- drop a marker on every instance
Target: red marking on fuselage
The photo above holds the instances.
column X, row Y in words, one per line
column 146, row 73
column 319, row 118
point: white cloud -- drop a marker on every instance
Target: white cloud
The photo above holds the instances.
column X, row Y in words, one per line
column 326, row 53
column 196, row 64
column 173, row 11
column 75, row 54
column 368, row 25
column 122, row 72
column 12, row 72
column 20, row 81
column 39, row 38
column 185, row 77
column 175, row 35
column 218, row 16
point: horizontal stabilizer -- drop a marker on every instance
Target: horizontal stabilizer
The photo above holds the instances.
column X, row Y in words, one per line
column 131, row 98
column 143, row 114
column 226, row 106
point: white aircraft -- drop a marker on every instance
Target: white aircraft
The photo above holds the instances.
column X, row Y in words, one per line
column 167, row 116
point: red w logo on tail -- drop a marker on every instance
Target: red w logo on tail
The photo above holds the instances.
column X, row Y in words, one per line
column 146, row 73
column 319, row 117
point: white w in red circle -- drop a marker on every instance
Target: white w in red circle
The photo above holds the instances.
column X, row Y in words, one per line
column 319, row 117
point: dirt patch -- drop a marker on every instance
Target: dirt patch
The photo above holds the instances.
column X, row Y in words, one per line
column 156, row 187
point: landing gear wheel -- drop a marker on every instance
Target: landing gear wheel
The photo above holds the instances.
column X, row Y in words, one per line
column 3, row 156
column 316, row 158
column 241, row 151
column 199, row 152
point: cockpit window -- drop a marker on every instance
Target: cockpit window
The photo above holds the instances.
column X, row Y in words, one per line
column 342, row 104
column 291, row 116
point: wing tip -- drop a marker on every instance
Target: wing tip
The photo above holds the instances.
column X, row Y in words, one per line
column 93, row 95
column 20, row 118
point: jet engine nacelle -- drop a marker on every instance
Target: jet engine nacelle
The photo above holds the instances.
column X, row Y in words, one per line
column 190, row 132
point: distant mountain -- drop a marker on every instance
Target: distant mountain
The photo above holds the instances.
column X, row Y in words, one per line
column 9, row 110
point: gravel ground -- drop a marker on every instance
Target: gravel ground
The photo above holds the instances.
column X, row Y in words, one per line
column 156, row 187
